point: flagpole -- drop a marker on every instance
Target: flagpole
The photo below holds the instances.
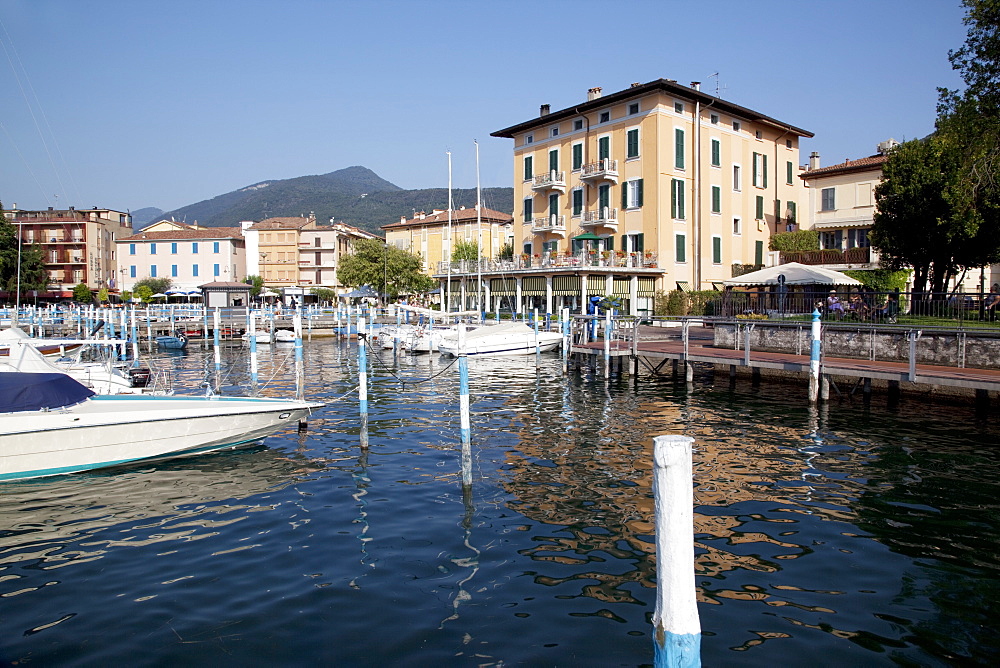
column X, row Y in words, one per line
column 447, row 292
column 479, row 251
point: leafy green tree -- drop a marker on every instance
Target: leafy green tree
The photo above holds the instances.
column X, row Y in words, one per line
column 34, row 276
column 800, row 240
column 82, row 294
column 155, row 285
column 324, row 294
column 506, row 252
column 385, row 268
column 465, row 250
column 257, row 282
column 144, row 292
column 102, row 295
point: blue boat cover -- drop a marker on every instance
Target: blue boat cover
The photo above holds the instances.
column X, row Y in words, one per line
column 35, row 391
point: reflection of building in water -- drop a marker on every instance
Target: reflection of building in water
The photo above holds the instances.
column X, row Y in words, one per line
column 591, row 472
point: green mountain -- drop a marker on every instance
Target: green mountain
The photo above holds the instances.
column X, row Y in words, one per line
column 354, row 195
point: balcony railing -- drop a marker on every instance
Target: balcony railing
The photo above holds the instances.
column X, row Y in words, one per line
column 551, row 180
column 605, row 169
column 604, row 216
column 857, row 255
column 550, row 260
column 551, row 223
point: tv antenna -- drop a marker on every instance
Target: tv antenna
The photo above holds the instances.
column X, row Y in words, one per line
column 717, row 86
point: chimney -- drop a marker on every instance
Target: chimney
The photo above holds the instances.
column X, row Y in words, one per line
column 814, row 160
column 544, row 110
column 696, row 85
column 402, row 219
column 635, row 84
column 593, row 93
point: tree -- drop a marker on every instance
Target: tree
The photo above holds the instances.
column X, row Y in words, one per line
column 506, row 252
column 465, row 250
column 155, row 285
column 82, row 294
column 143, row 292
column 102, row 295
column 800, row 240
column 324, row 294
column 385, row 268
column 33, row 275
column 257, row 282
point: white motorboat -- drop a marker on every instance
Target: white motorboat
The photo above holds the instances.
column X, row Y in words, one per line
column 261, row 336
column 428, row 339
column 284, row 336
column 103, row 376
column 51, row 424
column 512, row 338
column 48, row 347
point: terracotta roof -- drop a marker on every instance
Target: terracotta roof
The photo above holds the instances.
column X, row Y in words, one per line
column 860, row 165
column 281, row 223
column 457, row 215
column 181, row 235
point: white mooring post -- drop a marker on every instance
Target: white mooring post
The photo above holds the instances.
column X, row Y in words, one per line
column 300, row 388
column 253, row 351
column 216, row 321
column 566, row 342
column 463, row 395
column 362, row 367
column 676, row 627
column 607, row 343
column 817, row 333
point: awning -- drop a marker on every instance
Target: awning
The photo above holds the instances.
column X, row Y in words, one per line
column 647, row 286
column 503, row 287
column 565, row 286
column 533, row 286
column 597, row 285
column 622, row 287
column 587, row 236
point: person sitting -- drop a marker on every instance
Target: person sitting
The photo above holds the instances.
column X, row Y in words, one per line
column 992, row 303
column 834, row 306
column 857, row 305
column 891, row 308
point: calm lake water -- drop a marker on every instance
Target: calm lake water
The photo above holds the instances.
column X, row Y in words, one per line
column 840, row 536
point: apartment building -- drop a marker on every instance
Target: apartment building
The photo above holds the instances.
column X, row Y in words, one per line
column 670, row 186
column 78, row 245
column 189, row 255
column 295, row 253
column 428, row 234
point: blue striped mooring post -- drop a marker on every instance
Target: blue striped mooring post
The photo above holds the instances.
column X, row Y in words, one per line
column 362, row 367
column 817, row 333
column 676, row 627
column 463, row 388
column 217, row 324
column 253, row 351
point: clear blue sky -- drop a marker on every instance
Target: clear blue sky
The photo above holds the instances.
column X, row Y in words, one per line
column 134, row 103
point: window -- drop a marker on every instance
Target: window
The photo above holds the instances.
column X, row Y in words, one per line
column 714, row 119
column 736, row 126
column 152, row 249
column 215, row 246
column 604, row 117
column 758, row 135
column 529, row 139
column 577, row 156
column 678, row 148
column 737, row 179
column 716, row 153
column 632, row 194
column 828, row 200
column 553, row 204
column 632, row 143
column 791, row 213
column 758, row 252
column 633, row 108
column 603, row 148
column 528, row 171
column 132, row 271
column 194, row 270
column 131, row 248
column 716, row 199
column 677, row 199
column 680, row 248
column 679, row 107
column 554, row 160
column 759, row 214
column 173, row 248
column 194, row 247
column 603, row 198
column 737, row 228
column 554, row 132
column 578, row 124
column 577, row 201
column 152, row 271
column 716, row 249
column 831, row 240
column 788, row 143
column 777, row 211
column 173, row 270
column 759, row 176
column 789, row 172
column 215, row 270
column 528, row 213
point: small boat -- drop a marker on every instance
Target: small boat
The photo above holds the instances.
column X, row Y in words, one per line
column 176, row 341
column 428, row 339
column 103, row 377
column 261, row 336
column 284, row 336
column 51, row 424
column 47, row 347
column 513, row 338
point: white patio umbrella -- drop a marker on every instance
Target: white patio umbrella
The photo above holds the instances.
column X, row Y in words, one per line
column 795, row 274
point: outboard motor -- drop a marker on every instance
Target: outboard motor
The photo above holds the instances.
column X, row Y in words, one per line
column 139, row 376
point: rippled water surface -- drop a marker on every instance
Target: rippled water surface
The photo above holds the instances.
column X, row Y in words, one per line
column 840, row 536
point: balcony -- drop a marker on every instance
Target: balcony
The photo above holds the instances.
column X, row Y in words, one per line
column 605, row 216
column 553, row 260
column 544, row 224
column 605, row 169
column 552, row 180
column 832, row 256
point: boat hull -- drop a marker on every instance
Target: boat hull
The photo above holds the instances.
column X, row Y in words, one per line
column 93, row 434
column 547, row 342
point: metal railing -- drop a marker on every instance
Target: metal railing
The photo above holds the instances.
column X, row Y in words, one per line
column 548, row 260
column 599, row 169
column 857, row 255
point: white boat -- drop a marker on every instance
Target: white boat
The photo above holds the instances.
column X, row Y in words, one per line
column 103, row 376
column 428, row 339
column 51, row 424
column 261, row 336
column 48, row 347
column 513, row 338
column 284, row 336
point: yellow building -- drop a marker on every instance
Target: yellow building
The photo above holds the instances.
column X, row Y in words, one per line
column 655, row 187
column 427, row 234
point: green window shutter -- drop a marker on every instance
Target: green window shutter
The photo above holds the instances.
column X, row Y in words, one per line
column 679, row 148
column 764, row 175
column 716, row 199
column 760, row 208
column 755, row 177
column 717, row 250
column 625, row 195
column 577, row 202
column 788, row 170
column 554, row 161
column 673, row 198
column 716, row 153
column 527, row 168
column 632, row 144
column 603, row 148
column 680, row 199
column 777, row 209
column 758, row 252
column 527, row 210
column 609, row 243
column 577, row 156
column 680, row 244
column 553, row 203
column 603, row 196
column 639, row 239
column 638, row 198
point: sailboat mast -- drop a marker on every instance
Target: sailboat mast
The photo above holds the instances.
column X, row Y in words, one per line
column 479, row 227
column 447, row 291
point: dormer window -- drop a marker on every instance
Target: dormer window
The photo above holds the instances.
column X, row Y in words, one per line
column 633, row 108
column 604, row 117
column 529, row 139
column 554, row 132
